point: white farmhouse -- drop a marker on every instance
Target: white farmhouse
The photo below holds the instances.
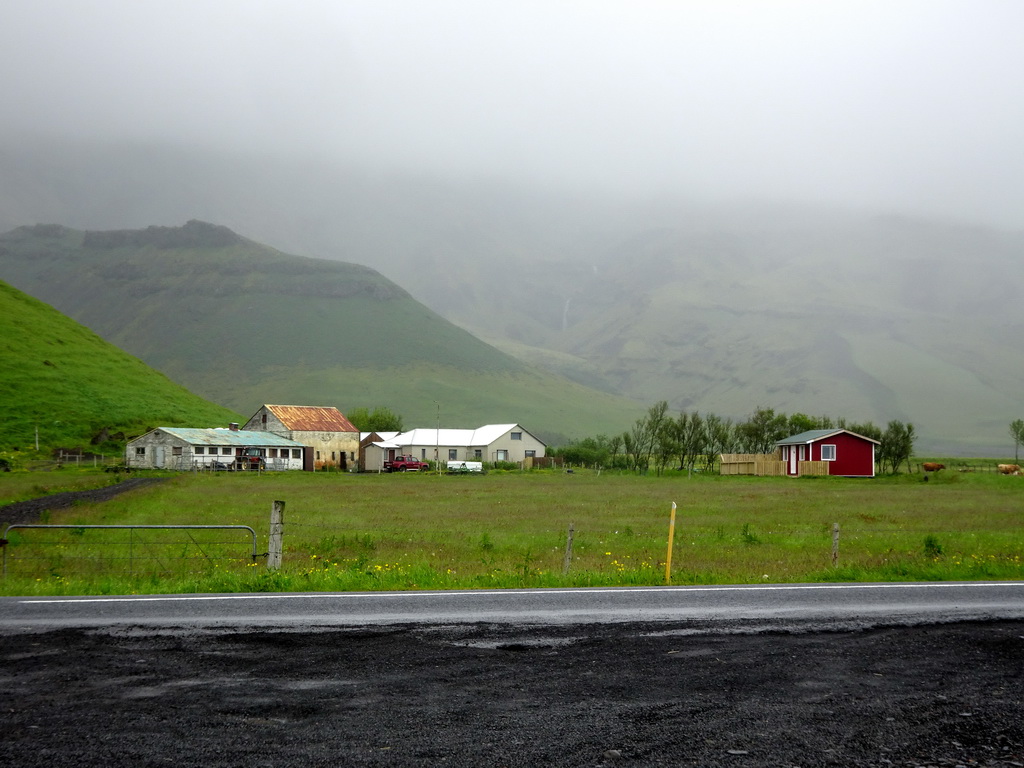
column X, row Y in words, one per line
column 188, row 448
column 494, row 442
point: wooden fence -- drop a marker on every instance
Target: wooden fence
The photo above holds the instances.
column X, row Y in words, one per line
column 766, row 465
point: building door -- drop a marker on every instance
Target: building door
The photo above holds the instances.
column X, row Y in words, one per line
column 158, row 456
column 793, row 466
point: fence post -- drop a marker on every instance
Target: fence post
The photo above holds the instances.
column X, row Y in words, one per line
column 568, row 551
column 276, row 536
column 671, row 536
column 835, row 544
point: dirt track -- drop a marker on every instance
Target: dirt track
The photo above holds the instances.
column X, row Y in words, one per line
column 29, row 511
column 950, row 695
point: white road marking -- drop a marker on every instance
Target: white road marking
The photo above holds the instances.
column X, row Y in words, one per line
column 523, row 593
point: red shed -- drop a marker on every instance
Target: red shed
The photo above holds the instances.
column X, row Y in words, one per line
column 846, row 453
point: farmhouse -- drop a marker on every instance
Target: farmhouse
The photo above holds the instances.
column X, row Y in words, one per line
column 494, row 442
column 232, row 448
column 333, row 439
column 842, row 452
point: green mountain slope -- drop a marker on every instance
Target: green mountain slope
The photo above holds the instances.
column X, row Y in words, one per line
column 720, row 307
column 243, row 324
column 63, row 379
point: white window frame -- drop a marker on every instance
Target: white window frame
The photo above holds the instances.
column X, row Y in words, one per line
column 831, row 453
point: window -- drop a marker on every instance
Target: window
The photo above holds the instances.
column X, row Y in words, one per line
column 199, row 450
column 531, row 454
column 318, row 455
column 175, row 450
column 226, row 450
column 516, row 435
column 828, row 453
column 296, row 453
column 501, row 455
column 478, row 453
column 140, row 450
column 273, row 453
column 453, row 454
column 803, row 453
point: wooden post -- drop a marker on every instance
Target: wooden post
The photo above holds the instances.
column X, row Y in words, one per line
column 671, row 536
column 568, row 551
column 276, row 536
column 835, row 544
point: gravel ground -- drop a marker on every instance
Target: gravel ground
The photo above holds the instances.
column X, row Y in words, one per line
column 487, row 695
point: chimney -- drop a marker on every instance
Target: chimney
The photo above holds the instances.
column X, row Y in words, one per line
column 233, row 426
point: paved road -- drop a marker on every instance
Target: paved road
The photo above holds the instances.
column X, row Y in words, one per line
column 906, row 675
column 822, row 604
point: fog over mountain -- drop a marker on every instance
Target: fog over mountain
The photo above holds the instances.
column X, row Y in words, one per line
column 911, row 107
column 809, row 206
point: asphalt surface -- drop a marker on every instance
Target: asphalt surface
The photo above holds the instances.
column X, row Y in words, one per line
column 824, row 606
column 721, row 693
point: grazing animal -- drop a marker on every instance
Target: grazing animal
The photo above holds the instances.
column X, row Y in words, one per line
column 1009, row 469
column 931, row 466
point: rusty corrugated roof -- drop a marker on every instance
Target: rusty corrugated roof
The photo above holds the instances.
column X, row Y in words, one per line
column 311, row 418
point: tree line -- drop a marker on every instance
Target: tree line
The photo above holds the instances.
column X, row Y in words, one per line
column 692, row 441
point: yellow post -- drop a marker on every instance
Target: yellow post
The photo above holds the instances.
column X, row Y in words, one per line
column 671, row 535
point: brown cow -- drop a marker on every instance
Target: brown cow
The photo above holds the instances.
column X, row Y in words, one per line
column 931, row 466
column 1009, row 469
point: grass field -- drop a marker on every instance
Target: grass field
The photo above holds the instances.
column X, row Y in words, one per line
column 422, row 531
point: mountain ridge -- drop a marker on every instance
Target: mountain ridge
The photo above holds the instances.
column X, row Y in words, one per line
column 242, row 324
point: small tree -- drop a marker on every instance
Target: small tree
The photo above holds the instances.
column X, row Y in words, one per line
column 1017, row 433
column 380, row 419
column 720, row 438
column 762, row 431
column 897, row 446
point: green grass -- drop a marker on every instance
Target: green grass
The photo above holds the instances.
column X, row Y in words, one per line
column 422, row 531
column 22, row 486
column 63, row 379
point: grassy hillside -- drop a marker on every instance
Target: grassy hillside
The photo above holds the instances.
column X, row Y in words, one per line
column 63, row 379
column 242, row 324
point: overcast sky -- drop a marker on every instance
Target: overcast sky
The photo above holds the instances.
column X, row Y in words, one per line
column 912, row 106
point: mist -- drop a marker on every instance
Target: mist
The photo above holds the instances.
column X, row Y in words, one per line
column 910, row 107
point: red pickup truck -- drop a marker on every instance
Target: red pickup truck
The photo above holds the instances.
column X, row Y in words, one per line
column 405, row 464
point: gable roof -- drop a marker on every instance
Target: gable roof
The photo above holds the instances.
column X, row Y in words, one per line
column 311, row 418
column 814, row 435
column 221, row 436
column 480, row 436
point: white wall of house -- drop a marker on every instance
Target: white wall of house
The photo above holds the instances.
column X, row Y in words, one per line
column 160, row 449
column 503, row 442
